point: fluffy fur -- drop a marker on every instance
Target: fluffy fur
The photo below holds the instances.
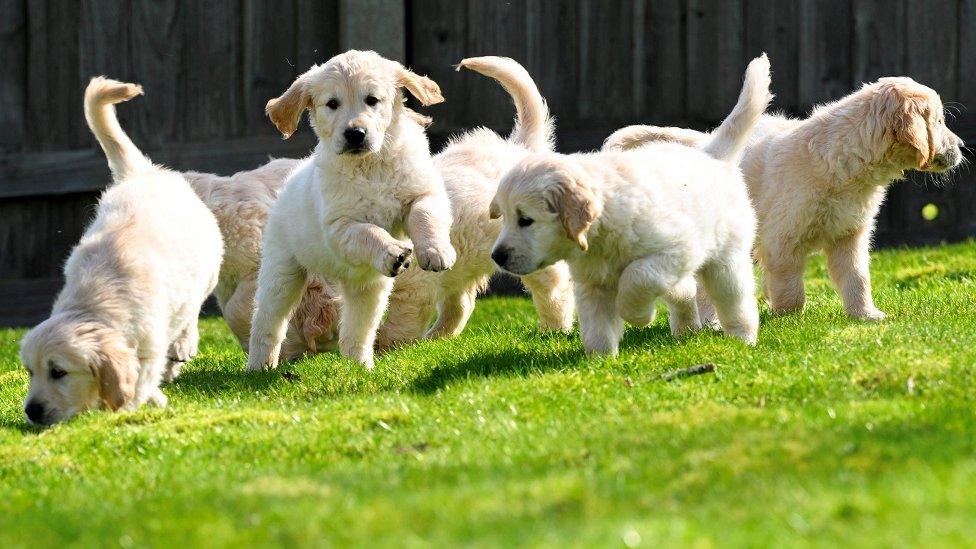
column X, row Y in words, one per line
column 817, row 184
column 642, row 224
column 127, row 315
column 371, row 177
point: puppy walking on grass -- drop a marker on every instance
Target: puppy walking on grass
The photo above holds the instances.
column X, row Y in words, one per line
column 344, row 210
column 127, row 315
column 642, row 224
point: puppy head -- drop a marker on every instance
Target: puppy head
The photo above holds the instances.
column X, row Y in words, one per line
column 75, row 365
column 354, row 99
column 914, row 122
column 548, row 208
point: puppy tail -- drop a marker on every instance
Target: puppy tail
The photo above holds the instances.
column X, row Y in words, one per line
column 100, row 98
column 533, row 125
column 729, row 140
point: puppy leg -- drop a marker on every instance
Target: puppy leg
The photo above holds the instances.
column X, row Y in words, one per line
column 281, row 281
column 847, row 262
column 368, row 243
column 783, row 279
column 601, row 328
column 683, row 307
column 644, row 280
column 407, row 316
column 552, row 294
column 706, row 309
column 240, row 308
column 363, row 303
column 182, row 350
column 453, row 313
column 429, row 226
column 731, row 287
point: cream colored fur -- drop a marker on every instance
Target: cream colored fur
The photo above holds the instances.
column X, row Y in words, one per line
column 344, row 212
column 642, row 224
column 127, row 315
column 818, row 183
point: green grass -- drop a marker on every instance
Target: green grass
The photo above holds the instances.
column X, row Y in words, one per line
column 829, row 431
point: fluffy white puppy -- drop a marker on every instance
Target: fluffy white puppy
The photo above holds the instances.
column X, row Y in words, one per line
column 817, row 184
column 642, row 224
column 134, row 284
column 371, row 177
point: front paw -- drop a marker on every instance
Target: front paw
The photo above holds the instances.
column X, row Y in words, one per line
column 870, row 315
column 436, row 258
column 395, row 259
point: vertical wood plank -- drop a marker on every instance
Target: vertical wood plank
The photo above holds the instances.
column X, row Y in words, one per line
column 156, row 49
column 966, row 76
column 317, row 32
column 53, row 79
column 825, row 50
column 438, row 42
column 36, row 234
column 552, row 56
column 378, row 25
column 13, row 85
column 773, row 27
column 932, row 45
column 606, row 56
column 500, row 29
column 269, row 51
column 211, row 103
column 716, row 59
column 879, row 40
column 660, row 73
column 103, row 49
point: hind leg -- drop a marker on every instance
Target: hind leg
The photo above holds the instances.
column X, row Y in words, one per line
column 706, row 309
column 281, row 281
column 683, row 306
column 552, row 294
column 182, row 350
column 644, row 280
column 407, row 316
column 731, row 287
column 453, row 313
column 363, row 304
column 847, row 262
column 783, row 279
column 239, row 309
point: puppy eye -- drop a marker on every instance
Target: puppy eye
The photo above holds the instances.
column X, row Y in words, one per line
column 332, row 104
column 525, row 221
column 371, row 100
column 57, row 373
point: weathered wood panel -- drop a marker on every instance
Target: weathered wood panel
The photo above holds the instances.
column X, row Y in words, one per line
column 269, row 57
column 211, row 100
column 966, row 93
column 879, row 40
column 825, row 46
column 156, row 49
column 715, row 57
column 660, row 75
column 502, row 31
column 46, row 227
column 933, row 44
column 606, row 61
column 317, row 39
column 438, row 41
column 378, row 25
column 553, row 41
column 773, row 27
column 13, row 85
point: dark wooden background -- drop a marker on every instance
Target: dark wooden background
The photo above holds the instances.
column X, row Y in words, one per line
column 208, row 68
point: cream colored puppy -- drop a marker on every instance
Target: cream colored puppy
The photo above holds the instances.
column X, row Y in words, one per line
column 127, row 315
column 642, row 224
column 817, row 184
column 371, row 177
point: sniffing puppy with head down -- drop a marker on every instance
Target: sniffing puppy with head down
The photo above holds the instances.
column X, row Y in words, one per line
column 642, row 224
column 127, row 315
column 345, row 209
column 818, row 183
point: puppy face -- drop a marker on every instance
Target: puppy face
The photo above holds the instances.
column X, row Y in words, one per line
column 353, row 100
column 547, row 209
column 75, row 366
column 914, row 120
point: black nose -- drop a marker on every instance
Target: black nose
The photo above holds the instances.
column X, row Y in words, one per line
column 34, row 411
column 355, row 136
column 500, row 257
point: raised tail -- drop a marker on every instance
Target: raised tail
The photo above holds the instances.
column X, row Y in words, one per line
column 729, row 140
column 101, row 95
column 533, row 126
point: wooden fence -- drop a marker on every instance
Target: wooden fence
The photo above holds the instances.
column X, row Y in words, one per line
column 208, row 68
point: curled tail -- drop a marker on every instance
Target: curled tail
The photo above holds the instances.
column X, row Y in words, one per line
column 101, row 95
column 729, row 140
column 533, row 126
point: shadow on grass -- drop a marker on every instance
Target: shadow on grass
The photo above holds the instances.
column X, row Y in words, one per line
column 219, row 382
column 22, row 426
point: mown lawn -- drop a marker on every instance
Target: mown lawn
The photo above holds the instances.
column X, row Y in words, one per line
column 829, row 431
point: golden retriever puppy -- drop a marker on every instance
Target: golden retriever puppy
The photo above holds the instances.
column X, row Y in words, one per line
column 472, row 165
column 817, row 184
column 241, row 204
column 642, row 224
column 344, row 210
column 134, row 284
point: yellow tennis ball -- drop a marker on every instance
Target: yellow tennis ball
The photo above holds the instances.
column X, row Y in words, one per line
column 930, row 212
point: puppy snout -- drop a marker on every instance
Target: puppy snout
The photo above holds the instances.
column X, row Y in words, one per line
column 355, row 136
column 34, row 411
column 500, row 256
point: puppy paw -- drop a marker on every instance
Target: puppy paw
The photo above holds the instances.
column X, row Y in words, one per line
column 638, row 318
column 869, row 315
column 172, row 371
column 157, row 398
column 395, row 259
column 436, row 258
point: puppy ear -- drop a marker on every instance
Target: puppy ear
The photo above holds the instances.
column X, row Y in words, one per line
column 494, row 211
column 286, row 110
column 424, row 89
column 911, row 124
column 115, row 371
column 424, row 121
column 576, row 207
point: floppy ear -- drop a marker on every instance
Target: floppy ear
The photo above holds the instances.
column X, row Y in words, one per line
column 115, row 370
column 424, row 121
column 494, row 212
column 575, row 205
column 424, row 89
column 286, row 111
column 911, row 125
